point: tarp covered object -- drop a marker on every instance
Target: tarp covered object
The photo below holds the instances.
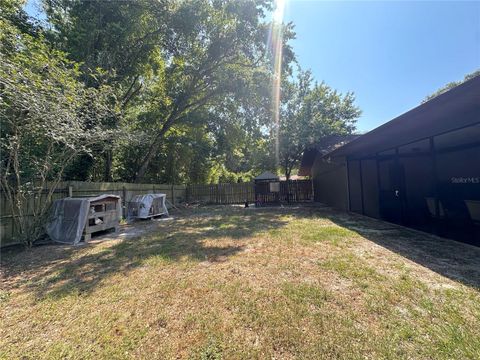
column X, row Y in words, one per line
column 148, row 205
column 69, row 216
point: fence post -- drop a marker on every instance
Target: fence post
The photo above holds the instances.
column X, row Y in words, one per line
column 70, row 191
column 124, row 201
column 173, row 195
column 296, row 191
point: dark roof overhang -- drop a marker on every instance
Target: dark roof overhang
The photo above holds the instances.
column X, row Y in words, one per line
column 454, row 109
column 323, row 147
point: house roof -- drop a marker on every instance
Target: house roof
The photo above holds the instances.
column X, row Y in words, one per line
column 267, row 175
column 323, row 147
column 454, row 109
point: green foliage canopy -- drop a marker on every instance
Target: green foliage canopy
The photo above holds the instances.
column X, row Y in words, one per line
column 451, row 85
column 309, row 112
column 47, row 118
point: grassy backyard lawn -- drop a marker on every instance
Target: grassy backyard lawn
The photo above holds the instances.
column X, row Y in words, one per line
column 235, row 283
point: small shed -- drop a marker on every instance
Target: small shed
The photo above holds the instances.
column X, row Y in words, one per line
column 73, row 217
column 147, row 206
column 267, row 188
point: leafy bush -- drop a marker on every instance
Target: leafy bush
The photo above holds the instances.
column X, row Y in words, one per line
column 47, row 118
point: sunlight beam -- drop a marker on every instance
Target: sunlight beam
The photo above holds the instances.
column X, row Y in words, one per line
column 275, row 43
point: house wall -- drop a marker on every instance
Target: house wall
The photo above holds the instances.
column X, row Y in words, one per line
column 330, row 183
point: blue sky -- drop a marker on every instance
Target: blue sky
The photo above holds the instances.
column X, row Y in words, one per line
column 391, row 54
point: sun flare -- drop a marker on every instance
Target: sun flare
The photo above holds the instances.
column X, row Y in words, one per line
column 275, row 43
column 279, row 11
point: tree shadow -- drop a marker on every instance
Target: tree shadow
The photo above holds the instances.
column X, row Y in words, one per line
column 210, row 235
column 213, row 234
column 452, row 259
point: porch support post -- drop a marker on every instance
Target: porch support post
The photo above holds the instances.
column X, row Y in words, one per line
column 361, row 185
column 378, row 184
column 348, row 185
column 435, row 177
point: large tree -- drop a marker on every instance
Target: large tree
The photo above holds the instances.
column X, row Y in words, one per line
column 116, row 40
column 213, row 47
column 169, row 60
column 309, row 112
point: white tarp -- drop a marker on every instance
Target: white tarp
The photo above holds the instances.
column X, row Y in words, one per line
column 148, row 205
column 69, row 216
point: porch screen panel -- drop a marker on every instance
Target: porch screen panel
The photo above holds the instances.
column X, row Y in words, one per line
column 458, row 169
column 419, row 188
column 355, row 187
column 459, row 181
column 370, row 187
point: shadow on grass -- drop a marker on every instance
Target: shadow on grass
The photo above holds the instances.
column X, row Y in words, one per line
column 213, row 234
column 452, row 259
column 57, row 271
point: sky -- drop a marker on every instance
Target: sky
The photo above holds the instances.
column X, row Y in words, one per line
column 390, row 54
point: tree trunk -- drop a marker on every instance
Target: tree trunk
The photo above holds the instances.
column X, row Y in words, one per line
column 146, row 161
column 107, row 175
column 179, row 108
column 152, row 150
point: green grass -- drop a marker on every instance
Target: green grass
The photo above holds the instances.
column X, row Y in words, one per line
column 232, row 283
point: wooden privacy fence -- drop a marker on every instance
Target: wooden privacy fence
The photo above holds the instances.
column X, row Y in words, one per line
column 235, row 193
column 296, row 191
column 292, row 191
column 175, row 194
